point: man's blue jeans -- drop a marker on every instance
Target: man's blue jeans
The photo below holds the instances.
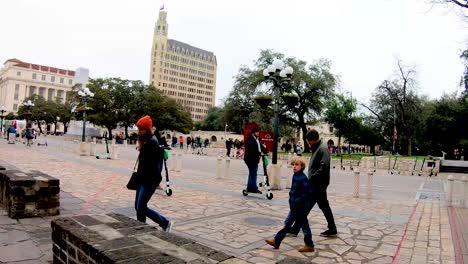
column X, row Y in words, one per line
column 143, row 195
column 252, row 182
column 297, row 214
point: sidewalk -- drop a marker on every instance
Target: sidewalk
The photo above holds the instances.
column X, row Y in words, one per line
column 214, row 212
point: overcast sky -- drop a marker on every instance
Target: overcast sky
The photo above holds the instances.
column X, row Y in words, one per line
column 362, row 38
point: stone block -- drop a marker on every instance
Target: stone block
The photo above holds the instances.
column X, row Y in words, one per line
column 86, row 239
column 29, row 194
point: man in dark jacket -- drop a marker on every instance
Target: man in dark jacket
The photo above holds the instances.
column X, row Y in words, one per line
column 253, row 152
column 319, row 177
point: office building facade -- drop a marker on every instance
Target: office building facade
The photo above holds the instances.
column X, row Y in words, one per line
column 183, row 72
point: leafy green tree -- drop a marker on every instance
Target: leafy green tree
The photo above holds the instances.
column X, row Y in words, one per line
column 395, row 103
column 214, row 120
column 311, row 83
column 341, row 113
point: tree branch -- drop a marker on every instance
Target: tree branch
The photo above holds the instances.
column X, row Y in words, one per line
column 376, row 114
column 459, row 3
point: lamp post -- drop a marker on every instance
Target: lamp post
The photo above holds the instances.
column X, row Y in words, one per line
column 85, row 94
column 29, row 104
column 2, row 115
column 278, row 74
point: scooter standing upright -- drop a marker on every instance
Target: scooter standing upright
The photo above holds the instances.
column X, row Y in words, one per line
column 107, row 149
column 266, row 181
column 414, row 166
column 420, row 173
column 168, row 189
column 394, row 171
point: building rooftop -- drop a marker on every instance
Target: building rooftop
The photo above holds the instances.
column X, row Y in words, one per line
column 44, row 68
column 191, row 50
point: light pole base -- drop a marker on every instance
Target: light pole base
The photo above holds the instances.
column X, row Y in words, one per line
column 275, row 177
column 83, row 149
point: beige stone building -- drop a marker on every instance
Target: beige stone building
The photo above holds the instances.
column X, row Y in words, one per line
column 19, row 80
column 182, row 71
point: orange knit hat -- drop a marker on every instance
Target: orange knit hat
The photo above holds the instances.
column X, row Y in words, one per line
column 145, row 123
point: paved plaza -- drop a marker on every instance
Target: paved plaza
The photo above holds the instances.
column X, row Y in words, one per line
column 405, row 221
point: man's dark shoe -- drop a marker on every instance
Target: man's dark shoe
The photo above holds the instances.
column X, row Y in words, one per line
column 329, row 233
column 272, row 243
column 258, row 191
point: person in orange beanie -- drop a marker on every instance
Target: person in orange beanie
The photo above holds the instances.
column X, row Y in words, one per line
column 149, row 172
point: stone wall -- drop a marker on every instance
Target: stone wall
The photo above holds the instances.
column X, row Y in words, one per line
column 29, row 194
column 115, row 238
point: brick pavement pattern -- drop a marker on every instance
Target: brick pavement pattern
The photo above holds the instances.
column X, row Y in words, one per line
column 392, row 227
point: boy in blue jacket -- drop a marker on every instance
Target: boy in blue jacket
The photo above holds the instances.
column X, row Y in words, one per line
column 299, row 203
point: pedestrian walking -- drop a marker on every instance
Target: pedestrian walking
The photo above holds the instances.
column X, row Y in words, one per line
column 319, row 177
column 181, row 142
column 253, row 151
column 149, row 172
column 229, row 144
column 299, row 203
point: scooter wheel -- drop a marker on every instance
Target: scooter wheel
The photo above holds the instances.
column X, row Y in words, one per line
column 168, row 192
column 245, row 193
column 269, row 196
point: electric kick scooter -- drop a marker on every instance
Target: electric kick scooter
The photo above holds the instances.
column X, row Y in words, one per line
column 107, row 149
column 266, row 181
column 168, row 189
column 414, row 167
column 420, row 173
column 394, row 171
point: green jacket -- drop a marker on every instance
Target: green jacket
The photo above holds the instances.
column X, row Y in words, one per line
column 319, row 167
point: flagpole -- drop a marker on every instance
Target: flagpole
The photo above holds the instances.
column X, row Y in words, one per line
column 394, row 128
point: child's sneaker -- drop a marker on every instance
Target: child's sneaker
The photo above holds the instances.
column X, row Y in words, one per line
column 272, row 243
column 307, row 249
column 169, row 227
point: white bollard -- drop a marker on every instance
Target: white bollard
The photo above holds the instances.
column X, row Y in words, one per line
column 465, row 191
column 226, row 168
column 172, row 163
column 356, row 184
column 115, row 152
column 219, row 166
column 370, row 183
column 179, row 162
column 449, row 190
column 288, row 177
column 92, row 149
column 125, row 143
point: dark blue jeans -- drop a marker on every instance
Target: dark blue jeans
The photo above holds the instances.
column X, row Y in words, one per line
column 319, row 197
column 143, row 195
column 252, row 182
column 297, row 214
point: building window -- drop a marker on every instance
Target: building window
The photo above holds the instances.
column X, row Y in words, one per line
column 50, row 94
column 331, row 129
column 60, row 96
column 52, row 78
column 70, row 81
column 16, row 91
column 15, row 107
column 43, row 77
column 18, row 73
column 42, row 92
column 61, row 80
column 34, row 76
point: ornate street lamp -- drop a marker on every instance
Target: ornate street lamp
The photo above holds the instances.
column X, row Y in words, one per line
column 85, row 94
column 278, row 74
column 29, row 104
column 2, row 115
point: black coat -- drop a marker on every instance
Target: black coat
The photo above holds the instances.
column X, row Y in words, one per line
column 252, row 155
column 149, row 163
